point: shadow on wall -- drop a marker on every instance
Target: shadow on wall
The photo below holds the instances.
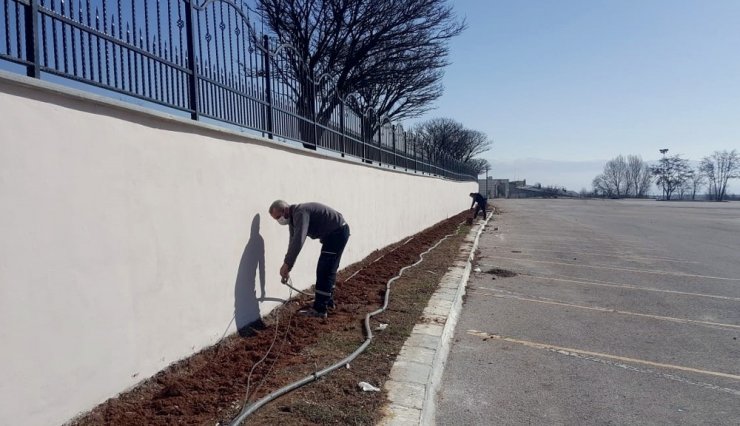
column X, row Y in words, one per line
column 252, row 265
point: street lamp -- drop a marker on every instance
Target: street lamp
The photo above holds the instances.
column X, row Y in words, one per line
column 486, row 180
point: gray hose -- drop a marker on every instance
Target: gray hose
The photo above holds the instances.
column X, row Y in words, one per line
column 249, row 409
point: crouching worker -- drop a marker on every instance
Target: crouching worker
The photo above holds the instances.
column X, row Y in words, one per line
column 480, row 203
column 314, row 220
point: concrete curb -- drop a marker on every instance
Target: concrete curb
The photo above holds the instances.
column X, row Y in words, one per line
column 416, row 375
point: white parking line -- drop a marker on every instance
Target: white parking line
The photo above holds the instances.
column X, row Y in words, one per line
column 616, row 268
column 630, row 287
column 623, row 255
column 570, row 351
column 569, row 234
column 649, row 371
column 575, row 242
column 615, row 311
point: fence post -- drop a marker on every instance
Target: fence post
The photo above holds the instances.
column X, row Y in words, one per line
column 416, row 167
column 315, row 114
column 380, row 145
column 405, row 152
column 32, row 39
column 341, row 124
column 193, row 80
column 268, row 85
column 362, row 137
column 395, row 160
column 421, row 162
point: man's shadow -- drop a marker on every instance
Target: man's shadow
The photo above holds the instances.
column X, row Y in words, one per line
column 252, row 265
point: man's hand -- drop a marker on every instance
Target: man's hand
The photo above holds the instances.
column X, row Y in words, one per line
column 285, row 271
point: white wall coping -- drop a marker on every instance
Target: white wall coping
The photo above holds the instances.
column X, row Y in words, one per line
column 232, row 135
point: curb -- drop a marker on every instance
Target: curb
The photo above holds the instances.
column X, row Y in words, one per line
column 416, row 375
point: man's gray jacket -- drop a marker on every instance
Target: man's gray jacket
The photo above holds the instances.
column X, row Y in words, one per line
column 315, row 220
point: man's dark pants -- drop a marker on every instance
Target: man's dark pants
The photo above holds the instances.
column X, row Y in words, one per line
column 332, row 247
column 480, row 207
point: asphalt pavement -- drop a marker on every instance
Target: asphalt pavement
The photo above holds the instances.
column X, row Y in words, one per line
column 620, row 312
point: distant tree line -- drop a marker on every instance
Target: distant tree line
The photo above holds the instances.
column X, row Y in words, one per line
column 632, row 177
column 446, row 136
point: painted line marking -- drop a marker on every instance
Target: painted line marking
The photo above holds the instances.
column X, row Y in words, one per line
column 569, row 351
column 615, row 311
column 570, row 235
column 631, row 287
column 574, row 234
column 615, row 268
column 651, row 372
column 574, row 242
column 623, row 255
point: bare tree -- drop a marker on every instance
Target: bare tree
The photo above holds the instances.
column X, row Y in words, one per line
column 471, row 143
column 438, row 135
column 696, row 181
column 719, row 168
column 405, row 88
column 634, row 166
column 444, row 136
column 389, row 53
column 615, row 176
column 685, row 187
column 479, row 165
column 638, row 176
column 602, row 187
column 671, row 173
column 644, row 182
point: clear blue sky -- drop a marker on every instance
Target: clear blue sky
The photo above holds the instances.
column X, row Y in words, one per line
column 562, row 86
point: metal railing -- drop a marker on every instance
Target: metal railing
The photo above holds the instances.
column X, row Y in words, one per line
column 207, row 60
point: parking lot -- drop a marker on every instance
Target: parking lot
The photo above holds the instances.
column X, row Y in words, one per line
column 620, row 312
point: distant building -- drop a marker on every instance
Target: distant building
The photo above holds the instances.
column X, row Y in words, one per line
column 537, row 191
column 518, row 183
column 494, row 188
column 504, row 188
column 525, row 191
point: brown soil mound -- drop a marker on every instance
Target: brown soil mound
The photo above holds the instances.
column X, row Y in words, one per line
column 209, row 387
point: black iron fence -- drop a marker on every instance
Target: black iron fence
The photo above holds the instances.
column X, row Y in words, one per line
column 207, row 60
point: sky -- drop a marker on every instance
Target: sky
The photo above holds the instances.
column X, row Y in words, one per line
column 563, row 86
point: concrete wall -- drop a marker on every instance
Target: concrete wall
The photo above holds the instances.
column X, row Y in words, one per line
column 130, row 239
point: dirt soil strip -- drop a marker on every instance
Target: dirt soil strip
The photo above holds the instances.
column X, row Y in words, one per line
column 208, row 388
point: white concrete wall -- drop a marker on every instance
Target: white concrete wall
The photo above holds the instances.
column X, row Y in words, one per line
column 128, row 239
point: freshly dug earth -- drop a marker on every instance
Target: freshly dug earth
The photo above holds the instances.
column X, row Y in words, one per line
column 209, row 387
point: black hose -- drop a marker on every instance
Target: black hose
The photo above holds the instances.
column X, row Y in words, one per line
column 249, row 409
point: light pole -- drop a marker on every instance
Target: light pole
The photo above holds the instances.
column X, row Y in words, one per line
column 486, row 180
